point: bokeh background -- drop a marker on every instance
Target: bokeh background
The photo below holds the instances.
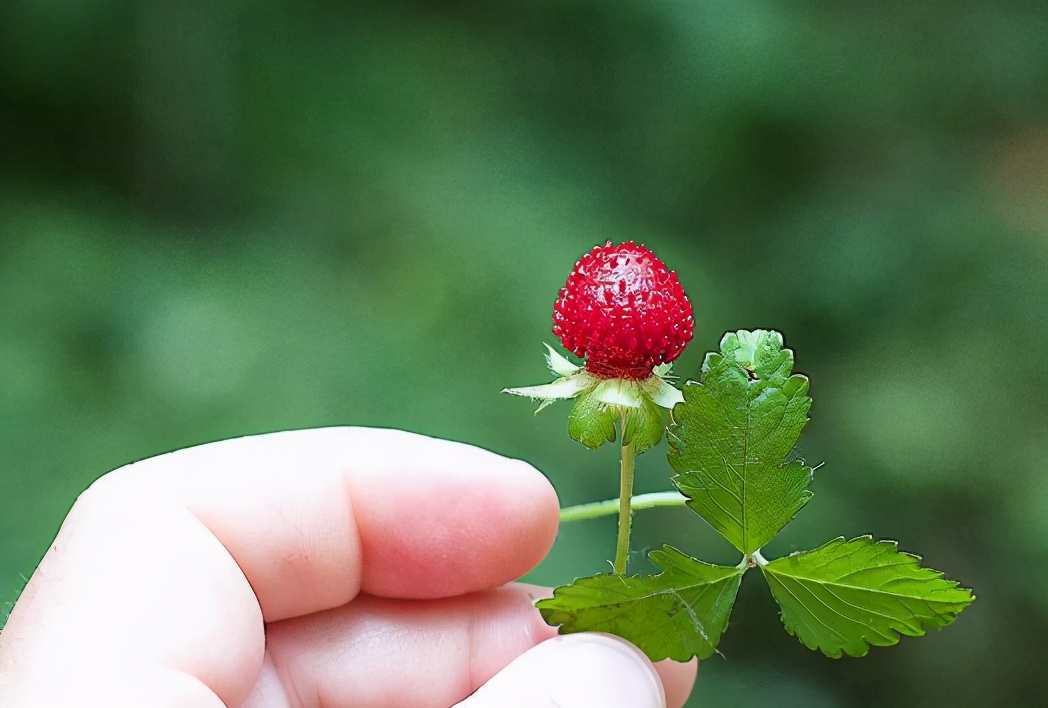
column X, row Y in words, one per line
column 228, row 218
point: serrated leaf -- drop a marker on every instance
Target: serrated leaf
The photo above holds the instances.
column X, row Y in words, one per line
column 677, row 614
column 760, row 351
column 644, row 426
column 590, row 422
column 845, row 596
column 732, row 434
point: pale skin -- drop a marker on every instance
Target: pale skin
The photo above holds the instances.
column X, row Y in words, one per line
column 331, row 567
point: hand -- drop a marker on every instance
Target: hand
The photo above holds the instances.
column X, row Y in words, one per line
column 334, row 567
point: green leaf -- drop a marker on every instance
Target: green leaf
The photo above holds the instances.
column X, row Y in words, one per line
column 590, row 422
column 732, row 434
column 759, row 351
column 677, row 614
column 848, row 595
column 644, row 425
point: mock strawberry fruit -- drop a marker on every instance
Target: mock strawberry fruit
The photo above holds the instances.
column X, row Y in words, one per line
column 627, row 315
column 624, row 311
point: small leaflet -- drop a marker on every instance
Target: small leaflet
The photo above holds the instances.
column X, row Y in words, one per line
column 846, row 596
column 677, row 614
column 732, row 435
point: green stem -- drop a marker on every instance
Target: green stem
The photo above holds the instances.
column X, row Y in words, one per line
column 622, row 545
column 595, row 510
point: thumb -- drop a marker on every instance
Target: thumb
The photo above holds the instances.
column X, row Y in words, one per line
column 584, row 670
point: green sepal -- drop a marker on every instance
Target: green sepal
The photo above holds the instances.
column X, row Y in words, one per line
column 601, row 403
column 846, row 596
column 732, row 434
column 679, row 613
column 644, row 425
column 591, row 422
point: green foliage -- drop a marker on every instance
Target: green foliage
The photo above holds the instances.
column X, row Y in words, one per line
column 677, row 614
column 602, row 404
column 845, row 596
column 644, row 426
column 591, row 423
column 733, row 432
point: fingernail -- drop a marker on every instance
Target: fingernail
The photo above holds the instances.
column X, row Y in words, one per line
column 602, row 670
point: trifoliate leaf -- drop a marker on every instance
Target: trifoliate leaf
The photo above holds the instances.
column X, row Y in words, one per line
column 848, row 595
column 732, row 434
column 644, row 426
column 590, row 422
column 677, row 614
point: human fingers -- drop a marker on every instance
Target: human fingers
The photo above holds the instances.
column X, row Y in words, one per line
column 583, row 670
column 678, row 678
column 172, row 564
column 359, row 654
column 381, row 652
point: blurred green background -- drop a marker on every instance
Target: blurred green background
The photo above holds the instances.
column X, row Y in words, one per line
column 228, row 218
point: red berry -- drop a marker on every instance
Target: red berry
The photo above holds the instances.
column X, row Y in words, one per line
column 624, row 311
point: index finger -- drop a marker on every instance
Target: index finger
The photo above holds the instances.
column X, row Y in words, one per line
column 176, row 561
column 312, row 517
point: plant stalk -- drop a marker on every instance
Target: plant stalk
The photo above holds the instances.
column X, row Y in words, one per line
column 595, row 510
column 622, row 544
